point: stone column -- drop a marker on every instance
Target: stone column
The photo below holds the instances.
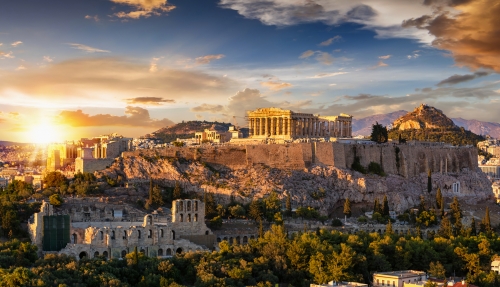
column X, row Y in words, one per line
column 272, row 128
column 301, row 126
column 290, row 127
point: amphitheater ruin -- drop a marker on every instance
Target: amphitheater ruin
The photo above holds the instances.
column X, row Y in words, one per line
column 92, row 229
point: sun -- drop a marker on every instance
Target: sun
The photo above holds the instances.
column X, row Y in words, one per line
column 45, row 132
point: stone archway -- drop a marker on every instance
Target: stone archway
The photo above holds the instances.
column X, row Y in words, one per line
column 160, row 252
column 83, row 255
column 124, row 253
column 178, row 251
column 169, row 252
column 96, row 254
column 105, row 254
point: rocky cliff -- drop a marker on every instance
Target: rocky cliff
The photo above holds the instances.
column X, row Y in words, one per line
column 319, row 185
column 422, row 117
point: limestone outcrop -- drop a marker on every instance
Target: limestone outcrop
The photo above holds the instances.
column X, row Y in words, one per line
column 321, row 186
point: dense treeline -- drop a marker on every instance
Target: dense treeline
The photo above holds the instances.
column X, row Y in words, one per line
column 277, row 257
column 455, row 136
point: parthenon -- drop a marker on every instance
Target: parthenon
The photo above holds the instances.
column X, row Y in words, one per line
column 286, row 124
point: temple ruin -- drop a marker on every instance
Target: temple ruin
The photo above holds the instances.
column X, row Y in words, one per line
column 286, row 125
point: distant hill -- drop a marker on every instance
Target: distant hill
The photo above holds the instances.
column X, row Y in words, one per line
column 479, row 127
column 187, row 129
column 427, row 123
column 363, row 126
column 8, row 143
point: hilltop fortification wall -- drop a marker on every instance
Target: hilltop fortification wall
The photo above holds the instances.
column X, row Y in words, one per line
column 403, row 159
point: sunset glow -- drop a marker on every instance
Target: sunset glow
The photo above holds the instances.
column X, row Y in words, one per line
column 45, row 132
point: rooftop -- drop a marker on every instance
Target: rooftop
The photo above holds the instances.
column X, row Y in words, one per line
column 401, row 273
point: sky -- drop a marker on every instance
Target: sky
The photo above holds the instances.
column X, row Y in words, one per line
column 72, row 69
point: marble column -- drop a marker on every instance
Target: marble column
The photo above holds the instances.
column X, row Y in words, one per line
column 266, row 127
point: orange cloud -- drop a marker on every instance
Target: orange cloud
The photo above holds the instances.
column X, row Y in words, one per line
column 144, row 8
column 149, row 101
column 208, row 58
column 134, row 117
column 275, row 86
column 471, row 35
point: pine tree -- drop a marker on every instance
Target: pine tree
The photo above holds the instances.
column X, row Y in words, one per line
column 136, row 256
column 429, row 181
column 445, row 229
column 439, row 198
column 150, row 189
column 379, row 133
column 376, row 206
column 473, row 231
column 288, row 205
column 347, row 207
column 156, row 196
column 485, row 223
column 385, row 208
column 388, row 227
column 456, row 214
column 261, row 229
column 177, row 191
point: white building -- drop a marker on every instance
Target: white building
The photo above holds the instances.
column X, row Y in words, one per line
column 397, row 278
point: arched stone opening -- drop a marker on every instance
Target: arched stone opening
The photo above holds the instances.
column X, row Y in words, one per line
column 150, row 233
column 245, row 240
column 74, row 238
column 83, row 255
column 179, row 250
column 161, row 232
column 189, row 218
column 101, row 235
column 182, row 217
column 196, row 206
column 113, row 235
column 206, row 232
column 237, row 240
column 173, row 235
column 218, row 239
column 160, row 252
column 143, row 251
column 124, row 253
column 150, row 220
column 169, row 252
column 188, row 206
column 96, row 254
column 196, row 217
column 105, row 254
column 124, row 235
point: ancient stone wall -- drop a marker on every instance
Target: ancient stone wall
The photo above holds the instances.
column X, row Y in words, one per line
column 406, row 159
column 91, row 165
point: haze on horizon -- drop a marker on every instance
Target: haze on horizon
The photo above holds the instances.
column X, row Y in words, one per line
column 76, row 69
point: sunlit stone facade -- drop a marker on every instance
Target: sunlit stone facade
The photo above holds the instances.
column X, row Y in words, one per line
column 286, row 124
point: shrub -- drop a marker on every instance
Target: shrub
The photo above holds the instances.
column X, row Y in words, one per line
column 336, row 222
column 375, row 168
column 362, row 219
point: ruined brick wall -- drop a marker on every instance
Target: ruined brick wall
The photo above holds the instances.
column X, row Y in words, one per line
column 91, row 165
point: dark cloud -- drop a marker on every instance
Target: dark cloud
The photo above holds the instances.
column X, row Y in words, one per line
column 360, row 97
column 149, row 101
column 471, row 35
column 134, row 117
column 455, row 79
column 361, row 12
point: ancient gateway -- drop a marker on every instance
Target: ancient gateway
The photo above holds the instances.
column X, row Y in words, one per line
column 111, row 231
column 286, row 124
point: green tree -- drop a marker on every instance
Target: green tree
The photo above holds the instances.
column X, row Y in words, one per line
column 177, row 194
column 473, row 230
column 379, row 133
column 56, row 199
column 210, row 205
column 288, row 205
column 272, row 205
column 376, row 207
column 429, row 182
column 485, row 225
column 157, row 196
column 256, row 210
column 439, row 198
column 456, row 216
column 388, row 228
column 445, row 229
column 347, row 208
column 437, row 270
column 385, row 207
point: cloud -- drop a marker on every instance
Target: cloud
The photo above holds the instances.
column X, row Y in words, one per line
column 134, row 117
column 275, row 85
column 47, row 59
column 332, row 85
column 208, row 58
column 144, row 8
column 8, row 55
column 379, row 65
column 382, row 16
column 20, row 68
column 469, row 30
column 1, row 44
column 214, row 109
column 17, row 43
column 384, row 57
column 324, row 58
column 106, row 81
column 95, row 18
column 154, row 65
column 155, row 101
column 326, row 75
column 306, row 54
column 87, row 49
column 455, row 79
column 330, row 41
column 414, row 56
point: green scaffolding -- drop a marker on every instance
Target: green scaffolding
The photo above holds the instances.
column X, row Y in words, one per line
column 55, row 232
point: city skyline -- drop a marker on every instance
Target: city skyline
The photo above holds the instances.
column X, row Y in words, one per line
column 77, row 69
